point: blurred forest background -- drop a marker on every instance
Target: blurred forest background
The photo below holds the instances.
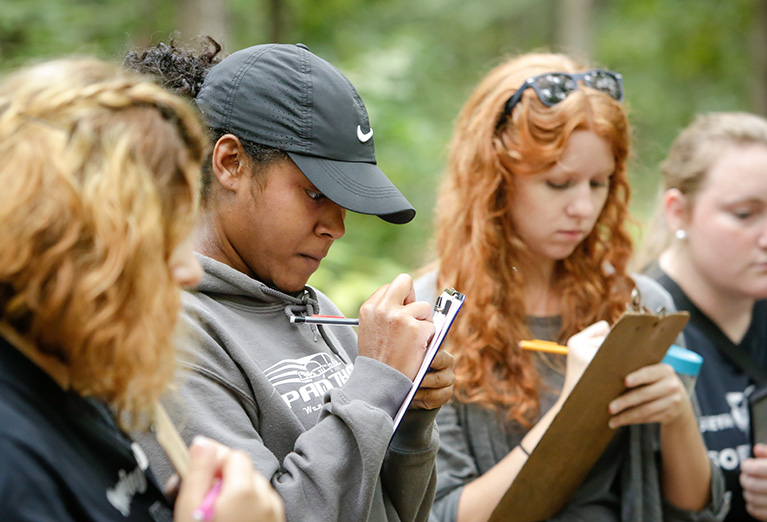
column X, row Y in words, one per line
column 415, row 62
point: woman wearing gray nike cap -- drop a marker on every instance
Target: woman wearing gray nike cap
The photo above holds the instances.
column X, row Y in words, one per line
column 293, row 150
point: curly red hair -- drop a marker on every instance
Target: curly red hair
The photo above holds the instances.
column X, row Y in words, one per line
column 478, row 246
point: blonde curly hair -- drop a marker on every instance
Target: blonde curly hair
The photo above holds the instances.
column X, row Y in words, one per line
column 99, row 185
column 479, row 247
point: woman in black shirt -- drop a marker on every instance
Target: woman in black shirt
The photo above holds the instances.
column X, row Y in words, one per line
column 710, row 242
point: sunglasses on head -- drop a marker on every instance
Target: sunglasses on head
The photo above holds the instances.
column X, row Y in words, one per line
column 552, row 88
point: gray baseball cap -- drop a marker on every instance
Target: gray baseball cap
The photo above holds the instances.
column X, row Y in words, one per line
column 285, row 97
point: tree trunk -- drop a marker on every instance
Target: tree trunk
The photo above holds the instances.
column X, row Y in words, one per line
column 575, row 27
column 277, row 18
column 149, row 21
column 759, row 59
column 204, row 17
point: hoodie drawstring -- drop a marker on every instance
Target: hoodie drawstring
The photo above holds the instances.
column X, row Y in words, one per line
column 309, row 305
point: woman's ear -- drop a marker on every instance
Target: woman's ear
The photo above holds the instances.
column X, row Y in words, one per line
column 675, row 205
column 229, row 162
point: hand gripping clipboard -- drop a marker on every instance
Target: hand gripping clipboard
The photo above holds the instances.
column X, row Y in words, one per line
column 446, row 308
column 579, row 433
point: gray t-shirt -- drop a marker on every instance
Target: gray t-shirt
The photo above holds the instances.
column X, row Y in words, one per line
column 598, row 498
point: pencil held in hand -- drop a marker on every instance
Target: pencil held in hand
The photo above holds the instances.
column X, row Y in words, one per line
column 543, row 346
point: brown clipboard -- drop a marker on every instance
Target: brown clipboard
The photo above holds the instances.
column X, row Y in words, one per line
column 170, row 440
column 579, row 432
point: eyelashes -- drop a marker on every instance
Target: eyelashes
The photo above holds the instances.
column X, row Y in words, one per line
column 558, row 186
column 595, row 184
column 315, row 196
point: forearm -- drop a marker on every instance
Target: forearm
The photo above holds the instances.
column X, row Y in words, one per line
column 686, row 470
column 409, row 473
column 482, row 495
column 333, row 470
column 328, row 472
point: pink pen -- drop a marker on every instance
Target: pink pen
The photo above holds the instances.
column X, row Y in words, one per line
column 204, row 512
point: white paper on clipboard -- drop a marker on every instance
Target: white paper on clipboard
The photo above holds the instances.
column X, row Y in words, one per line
column 446, row 308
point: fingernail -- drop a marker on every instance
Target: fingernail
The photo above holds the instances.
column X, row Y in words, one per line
column 612, row 424
column 199, row 440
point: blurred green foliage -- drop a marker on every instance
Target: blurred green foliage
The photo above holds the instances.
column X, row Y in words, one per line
column 416, row 62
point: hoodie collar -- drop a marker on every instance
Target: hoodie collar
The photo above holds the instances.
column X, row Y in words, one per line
column 220, row 278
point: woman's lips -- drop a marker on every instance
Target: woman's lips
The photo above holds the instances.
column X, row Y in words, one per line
column 572, row 235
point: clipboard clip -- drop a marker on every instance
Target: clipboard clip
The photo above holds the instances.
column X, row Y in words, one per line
column 443, row 302
column 635, row 305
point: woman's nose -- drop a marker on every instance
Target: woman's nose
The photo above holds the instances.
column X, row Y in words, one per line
column 582, row 203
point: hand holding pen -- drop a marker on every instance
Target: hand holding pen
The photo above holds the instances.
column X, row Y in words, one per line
column 222, row 485
column 580, row 349
column 395, row 328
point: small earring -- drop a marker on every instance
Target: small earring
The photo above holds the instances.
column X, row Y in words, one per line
column 680, row 234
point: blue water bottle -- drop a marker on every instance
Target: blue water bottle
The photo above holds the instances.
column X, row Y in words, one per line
column 686, row 364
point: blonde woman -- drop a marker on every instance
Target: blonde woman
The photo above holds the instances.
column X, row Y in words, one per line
column 531, row 227
column 99, row 183
column 710, row 240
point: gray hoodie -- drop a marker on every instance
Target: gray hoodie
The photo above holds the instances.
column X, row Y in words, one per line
column 315, row 416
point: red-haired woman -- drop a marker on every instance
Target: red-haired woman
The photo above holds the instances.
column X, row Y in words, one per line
column 530, row 226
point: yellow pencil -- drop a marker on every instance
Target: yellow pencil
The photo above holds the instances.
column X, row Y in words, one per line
column 543, row 346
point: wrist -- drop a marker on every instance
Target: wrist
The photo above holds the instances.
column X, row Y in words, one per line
column 686, row 416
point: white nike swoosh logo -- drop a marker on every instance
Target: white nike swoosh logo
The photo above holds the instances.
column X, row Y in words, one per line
column 362, row 136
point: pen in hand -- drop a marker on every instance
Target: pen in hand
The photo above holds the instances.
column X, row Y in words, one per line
column 205, row 511
column 539, row 345
column 325, row 319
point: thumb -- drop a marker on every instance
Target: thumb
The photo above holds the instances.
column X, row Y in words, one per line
column 760, row 451
column 400, row 290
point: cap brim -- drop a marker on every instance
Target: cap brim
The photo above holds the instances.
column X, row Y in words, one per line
column 359, row 187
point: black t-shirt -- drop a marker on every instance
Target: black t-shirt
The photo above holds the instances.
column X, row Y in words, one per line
column 63, row 458
column 722, row 390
